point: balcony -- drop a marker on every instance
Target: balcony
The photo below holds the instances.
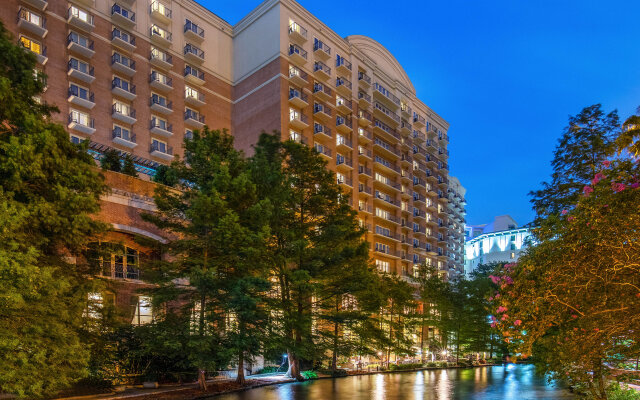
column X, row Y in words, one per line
column 405, row 127
column 161, row 60
column 81, row 72
column 344, row 144
column 80, row 19
column 419, row 120
column 123, row 40
column 298, row 120
column 193, row 119
column 123, row 17
column 346, row 183
column 39, row 5
column 365, row 171
column 343, row 86
column 160, row 12
column 364, row 118
column 194, row 98
column 387, row 115
column 364, row 80
column 364, row 100
column 159, row 151
column 364, row 135
column 123, row 89
column 343, row 125
column 323, row 92
column 322, row 70
column 160, row 82
column 297, row 33
column 193, row 54
column 161, row 128
column 322, row 150
column 80, row 45
column 343, row 66
column 364, row 190
column 128, row 116
column 123, row 137
column 193, row 75
column 365, row 208
column 298, row 77
column 321, row 50
column 364, row 153
column 321, row 131
column 33, row 23
column 386, row 97
column 343, row 162
column 84, row 126
column 160, row 36
column 322, row 112
column 406, row 111
column 123, row 64
column 161, row 105
column 81, row 97
column 298, row 98
column 193, row 31
column 388, row 167
column 386, row 149
column 297, row 54
column 344, row 106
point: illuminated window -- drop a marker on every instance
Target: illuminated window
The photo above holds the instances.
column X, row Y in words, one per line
column 116, row 261
column 31, row 44
column 143, row 313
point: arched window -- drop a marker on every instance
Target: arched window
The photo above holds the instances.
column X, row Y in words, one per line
column 116, row 260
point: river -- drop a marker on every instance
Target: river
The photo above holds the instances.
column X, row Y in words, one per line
column 512, row 382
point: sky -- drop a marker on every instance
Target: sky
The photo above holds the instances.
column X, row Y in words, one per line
column 505, row 74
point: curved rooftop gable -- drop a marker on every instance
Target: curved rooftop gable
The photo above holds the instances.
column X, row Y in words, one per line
column 383, row 59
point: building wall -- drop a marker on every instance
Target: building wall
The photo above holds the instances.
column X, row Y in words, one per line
column 503, row 246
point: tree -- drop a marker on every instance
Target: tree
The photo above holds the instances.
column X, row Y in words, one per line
column 572, row 300
column 585, row 143
column 49, row 192
column 128, row 167
column 310, row 214
column 628, row 139
column 165, row 176
column 110, row 161
column 219, row 230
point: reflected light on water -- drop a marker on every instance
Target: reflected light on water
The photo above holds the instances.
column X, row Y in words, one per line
column 444, row 385
column 418, row 386
column 378, row 392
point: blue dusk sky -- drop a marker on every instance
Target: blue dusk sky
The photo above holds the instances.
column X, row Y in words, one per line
column 505, row 74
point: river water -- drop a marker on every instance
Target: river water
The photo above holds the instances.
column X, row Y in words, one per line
column 512, row 382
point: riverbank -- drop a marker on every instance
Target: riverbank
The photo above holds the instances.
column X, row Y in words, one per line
column 219, row 387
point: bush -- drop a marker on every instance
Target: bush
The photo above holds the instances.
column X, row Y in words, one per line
column 267, row 370
column 309, row 375
column 431, row 364
column 617, row 392
column 338, row 373
column 404, row 367
column 443, row 364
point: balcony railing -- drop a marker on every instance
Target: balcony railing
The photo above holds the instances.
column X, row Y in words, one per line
column 123, row 134
column 124, row 85
column 116, row 58
column 295, row 49
column 161, row 149
column 191, row 27
column 362, row 76
column 191, row 49
column 188, row 70
column 343, row 62
column 295, row 28
column 318, row 45
column 320, row 66
column 190, row 114
column 161, row 101
column 124, row 36
column 343, row 82
column 117, row 9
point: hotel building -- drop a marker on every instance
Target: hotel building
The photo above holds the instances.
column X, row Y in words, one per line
column 139, row 76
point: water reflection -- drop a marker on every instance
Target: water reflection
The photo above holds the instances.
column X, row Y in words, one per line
column 490, row 383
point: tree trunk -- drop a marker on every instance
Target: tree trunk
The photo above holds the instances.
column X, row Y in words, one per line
column 240, row 378
column 458, row 344
column 334, row 356
column 202, row 380
column 422, row 337
column 294, row 367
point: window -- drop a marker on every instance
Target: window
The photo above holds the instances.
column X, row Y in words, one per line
column 122, row 132
column 31, row 44
column 159, row 123
column 121, row 108
column 293, row 114
column 156, row 30
column 80, row 39
column 188, row 134
column 295, row 136
column 121, row 83
column 191, row 92
column 78, row 65
column 80, row 118
column 116, row 260
column 159, row 145
column 78, row 91
column 383, row 266
column 29, row 16
column 513, row 255
column 157, row 99
column 143, row 313
column 80, row 14
column 158, row 54
column 75, row 139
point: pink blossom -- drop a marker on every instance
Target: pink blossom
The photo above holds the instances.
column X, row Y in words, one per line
column 606, row 163
column 597, row 178
column 634, row 185
column 571, row 218
column 517, row 322
column 501, row 309
column 618, row 187
column 494, row 279
column 504, row 317
column 564, row 212
column 587, row 190
column 497, row 296
column 508, row 280
column 494, row 324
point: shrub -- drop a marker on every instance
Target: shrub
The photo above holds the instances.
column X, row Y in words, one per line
column 431, row 364
column 309, row 375
column 404, row 367
column 267, row 370
column 443, row 364
column 617, row 392
column 338, row 373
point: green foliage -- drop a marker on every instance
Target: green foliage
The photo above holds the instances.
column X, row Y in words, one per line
column 309, row 375
column 165, row 175
column 587, row 141
column 267, row 370
column 617, row 392
column 404, row 367
column 110, row 161
column 128, row 167
column 48, row 193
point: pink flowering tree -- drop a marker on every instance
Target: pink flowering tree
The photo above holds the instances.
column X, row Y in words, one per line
column 573, row 300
